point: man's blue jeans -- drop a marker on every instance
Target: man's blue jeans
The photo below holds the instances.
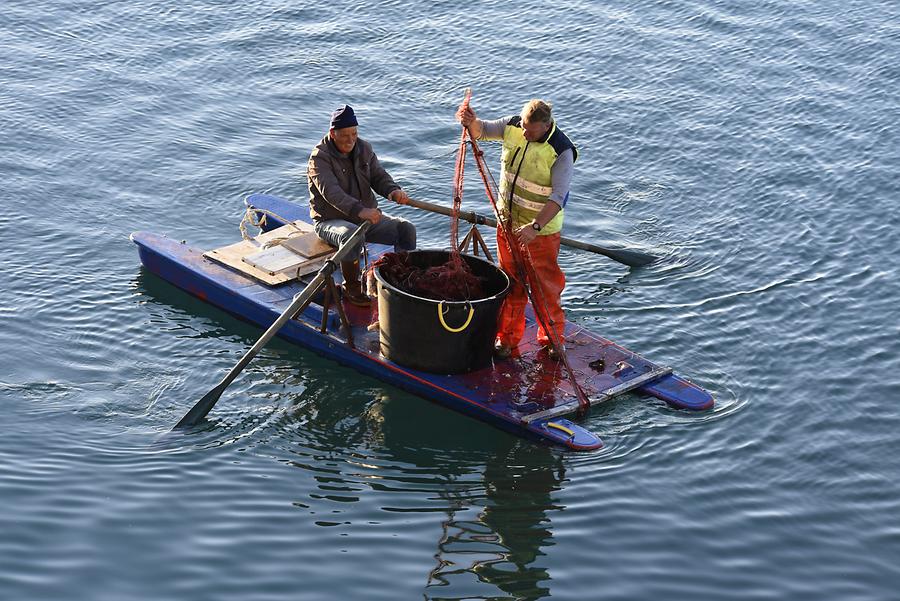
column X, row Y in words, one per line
column 393, row 231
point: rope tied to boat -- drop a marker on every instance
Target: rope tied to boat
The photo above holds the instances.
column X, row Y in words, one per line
column 256, row 217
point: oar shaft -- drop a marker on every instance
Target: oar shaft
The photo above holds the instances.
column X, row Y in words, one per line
column 299, row 300
column 633, row 258
column 469, row 216
column 204, row 405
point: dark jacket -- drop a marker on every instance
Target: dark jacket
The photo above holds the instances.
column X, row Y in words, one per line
column 333, row 193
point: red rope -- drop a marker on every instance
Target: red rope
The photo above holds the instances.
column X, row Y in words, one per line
column 458, row 184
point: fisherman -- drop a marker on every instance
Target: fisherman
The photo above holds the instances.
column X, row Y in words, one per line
column 343, row 171
column 536, row 169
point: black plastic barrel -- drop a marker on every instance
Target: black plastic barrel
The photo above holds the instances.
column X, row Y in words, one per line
column 445, row 337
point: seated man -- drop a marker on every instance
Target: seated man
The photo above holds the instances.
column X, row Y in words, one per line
column 343, row 171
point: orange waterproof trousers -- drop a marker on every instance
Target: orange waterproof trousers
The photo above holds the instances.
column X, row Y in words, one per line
column 544, row 252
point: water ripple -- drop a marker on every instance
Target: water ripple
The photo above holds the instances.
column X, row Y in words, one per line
column 751, row 147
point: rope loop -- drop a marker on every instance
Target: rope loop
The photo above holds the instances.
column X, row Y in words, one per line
column 257, row 218
column 441, row 311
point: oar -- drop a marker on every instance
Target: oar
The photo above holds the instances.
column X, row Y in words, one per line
column 205, row 404
column 632, row 258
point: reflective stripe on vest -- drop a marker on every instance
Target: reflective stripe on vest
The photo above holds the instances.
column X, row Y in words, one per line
column 528, row 163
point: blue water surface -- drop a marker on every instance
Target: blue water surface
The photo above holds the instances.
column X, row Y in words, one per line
column 753, row 146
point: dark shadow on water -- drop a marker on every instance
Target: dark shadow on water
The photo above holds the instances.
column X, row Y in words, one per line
column 173, row 299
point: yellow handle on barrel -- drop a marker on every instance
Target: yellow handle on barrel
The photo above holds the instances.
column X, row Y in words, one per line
column 440, row 309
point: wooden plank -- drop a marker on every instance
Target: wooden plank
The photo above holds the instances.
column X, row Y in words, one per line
column 309, row 246
column 233, row 255
column 275, row 259
column 294, row 228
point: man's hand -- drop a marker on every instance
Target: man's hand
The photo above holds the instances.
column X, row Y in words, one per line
column 399, row 196
column 465, row 115
column 526, row 234
column 373, row 216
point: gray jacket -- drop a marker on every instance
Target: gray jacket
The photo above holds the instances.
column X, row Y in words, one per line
column 340, row 186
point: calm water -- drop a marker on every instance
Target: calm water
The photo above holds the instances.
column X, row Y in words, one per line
column 754, row 146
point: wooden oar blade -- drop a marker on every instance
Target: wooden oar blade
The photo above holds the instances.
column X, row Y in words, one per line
column 202, row 408
column 632, row 258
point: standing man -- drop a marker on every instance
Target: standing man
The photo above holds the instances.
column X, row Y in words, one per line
column 536, row 170
column 343, row 171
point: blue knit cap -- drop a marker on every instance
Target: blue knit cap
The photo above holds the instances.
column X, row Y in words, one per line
column 343, row 117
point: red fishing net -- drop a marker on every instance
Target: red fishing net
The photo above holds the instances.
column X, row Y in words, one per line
column 452, row 281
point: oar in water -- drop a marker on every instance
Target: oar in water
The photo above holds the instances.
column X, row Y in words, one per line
column 205, row 404
column 632, row 258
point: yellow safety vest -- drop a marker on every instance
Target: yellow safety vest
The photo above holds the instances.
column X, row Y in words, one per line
column 528, row 164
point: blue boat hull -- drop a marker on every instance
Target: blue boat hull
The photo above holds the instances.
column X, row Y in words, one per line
column 527, row 395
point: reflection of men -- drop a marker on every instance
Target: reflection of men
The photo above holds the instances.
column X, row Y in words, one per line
column 343, row 171
column 536, row 169
column 520, row 483
column 497, row 534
